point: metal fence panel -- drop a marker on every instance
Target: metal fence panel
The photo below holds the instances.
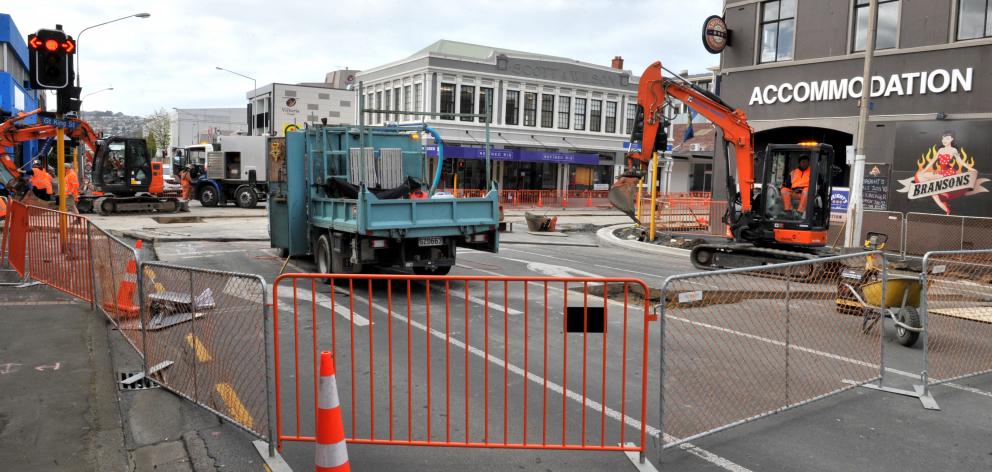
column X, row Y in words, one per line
column 205, row 339
column 957, row 313
column 114, row 278
column 499, row 362
column 742, row 344
column 59, row 251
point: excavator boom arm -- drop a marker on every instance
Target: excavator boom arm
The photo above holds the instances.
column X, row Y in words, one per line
column 12, row 134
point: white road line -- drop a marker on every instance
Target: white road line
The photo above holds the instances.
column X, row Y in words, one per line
column 647, row 274
column 968, row 389
column 494, row 307
column 554, row 387
column 322, row 300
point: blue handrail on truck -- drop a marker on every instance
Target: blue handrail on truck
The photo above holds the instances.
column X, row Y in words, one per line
column 345, row 235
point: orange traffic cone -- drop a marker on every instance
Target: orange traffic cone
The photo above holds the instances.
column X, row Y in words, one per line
column 332, row 454
column 589, row 201
column 540, row 202
column 124, row 304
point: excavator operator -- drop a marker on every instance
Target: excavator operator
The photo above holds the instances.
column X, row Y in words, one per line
column 797, row 186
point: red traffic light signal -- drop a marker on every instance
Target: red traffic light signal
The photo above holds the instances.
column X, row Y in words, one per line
column 50, row 61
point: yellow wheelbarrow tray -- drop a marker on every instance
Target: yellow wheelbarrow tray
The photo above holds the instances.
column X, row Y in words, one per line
column 901, row 304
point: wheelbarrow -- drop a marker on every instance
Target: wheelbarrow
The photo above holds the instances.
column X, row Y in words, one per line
column 860, row 293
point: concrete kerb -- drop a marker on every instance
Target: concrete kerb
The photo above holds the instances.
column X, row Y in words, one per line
column 606, row 236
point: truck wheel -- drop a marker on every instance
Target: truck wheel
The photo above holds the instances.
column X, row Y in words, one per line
column 209, row 196
column 246, row 198
column 322, row 255
column 432, row 270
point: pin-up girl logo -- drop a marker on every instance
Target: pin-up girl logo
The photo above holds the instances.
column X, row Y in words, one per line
column 944, row 174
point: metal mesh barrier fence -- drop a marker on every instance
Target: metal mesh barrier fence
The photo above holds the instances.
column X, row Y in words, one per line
column 957, row 310
column 890, row 223
column 205, row 339
column 929, row 232
column 59, row 251
column 742, row 344
column 498, row 362
column 114, row 277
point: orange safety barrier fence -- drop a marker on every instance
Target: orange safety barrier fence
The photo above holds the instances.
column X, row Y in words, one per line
column 15, row 237
column 59, row 251
column 467, row 361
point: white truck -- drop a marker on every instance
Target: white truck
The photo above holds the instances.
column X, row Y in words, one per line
column 230, row 171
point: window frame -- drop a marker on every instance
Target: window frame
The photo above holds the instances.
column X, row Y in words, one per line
column 762, row 21
column 854, row 25
column 441, row 100
column 514, row 118
column 596, row 117
column 547, row 115
column 631, row 117
column 418, row 93
column 486, row 107
column 580, row 113
column 387, row 95
column 532, row 111
column 407, row 99
column 564, row 111
column 987, row 25
column 610, row 122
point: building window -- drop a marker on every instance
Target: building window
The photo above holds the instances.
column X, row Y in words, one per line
column 595, row 115
column 974, row 19
column 386, row 103
column 378, row 106
column 611, row 117
column 778, row 30
column 418, row 90
column 631, row 116
column 547, row 110
column 396, row 103
column 323, row 96
column 512, row 107
column 580, row 114
column 407, row 100
column 447, row 101
column 564, row 111
column 530, row 109
column 467, row 102
column 888, row 24
column 486, row 104
column 312, row 106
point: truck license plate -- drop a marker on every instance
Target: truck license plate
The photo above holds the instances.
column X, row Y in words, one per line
column 433, row 241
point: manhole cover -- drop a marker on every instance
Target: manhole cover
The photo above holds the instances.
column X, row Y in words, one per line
column 141, row 384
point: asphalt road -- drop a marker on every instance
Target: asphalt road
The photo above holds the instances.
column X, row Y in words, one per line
column 491, row 361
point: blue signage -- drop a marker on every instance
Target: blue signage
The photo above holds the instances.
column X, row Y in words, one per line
column 838, row 199
column 520, row 155
column 46, row 120
column 629, row 146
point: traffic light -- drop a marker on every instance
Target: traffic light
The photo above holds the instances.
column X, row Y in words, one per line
column 50, row 54
column 447, row 166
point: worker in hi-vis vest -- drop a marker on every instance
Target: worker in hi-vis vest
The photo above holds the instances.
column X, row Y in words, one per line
column 797, row 186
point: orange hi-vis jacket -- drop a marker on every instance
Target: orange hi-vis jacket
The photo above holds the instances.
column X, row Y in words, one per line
column 40, row 179
column 72, row 183
column 799, row 178
column 3, row 207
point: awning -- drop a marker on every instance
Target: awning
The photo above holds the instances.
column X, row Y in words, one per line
column 520, row 155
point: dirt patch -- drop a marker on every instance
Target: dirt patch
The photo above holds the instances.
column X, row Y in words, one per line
column 178, row 219
column 676, row 240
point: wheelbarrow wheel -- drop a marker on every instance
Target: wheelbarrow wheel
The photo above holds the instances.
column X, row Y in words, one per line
column 909, row 317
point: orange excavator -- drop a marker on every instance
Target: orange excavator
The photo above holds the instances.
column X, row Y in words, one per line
column 782, row 217
column 121, row 176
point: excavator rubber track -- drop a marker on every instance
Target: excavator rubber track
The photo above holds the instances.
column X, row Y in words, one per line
column 110, row 205
column 741, row 255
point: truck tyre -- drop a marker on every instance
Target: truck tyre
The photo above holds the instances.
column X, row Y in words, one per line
column 245, row 196
column 432, row 270
column 322, row 254
column 209, row 196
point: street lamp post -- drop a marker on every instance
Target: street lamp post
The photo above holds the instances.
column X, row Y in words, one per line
column 98, row 91
column 80, row 35
column 254, row 85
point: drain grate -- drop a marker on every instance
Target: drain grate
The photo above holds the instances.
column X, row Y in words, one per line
column 141, row 384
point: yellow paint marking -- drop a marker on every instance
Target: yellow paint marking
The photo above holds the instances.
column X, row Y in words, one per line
column 159, row 288
column 202, row 355
column 234, row 406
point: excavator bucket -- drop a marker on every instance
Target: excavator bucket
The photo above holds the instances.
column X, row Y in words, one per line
column 623, row 196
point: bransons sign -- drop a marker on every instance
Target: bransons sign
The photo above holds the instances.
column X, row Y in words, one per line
column 945, row 172
column 906, row 84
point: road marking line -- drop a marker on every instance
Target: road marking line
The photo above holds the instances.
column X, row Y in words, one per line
column 234, row 405
column 202, row 355
column 558, row 389
column 325, row 301
column 968, row 389
column 657, row 276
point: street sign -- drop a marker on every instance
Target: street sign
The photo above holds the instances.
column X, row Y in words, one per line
column 628, row 146
column 58, row 123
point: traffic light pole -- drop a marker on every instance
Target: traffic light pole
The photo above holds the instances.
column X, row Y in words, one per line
column 60, row 144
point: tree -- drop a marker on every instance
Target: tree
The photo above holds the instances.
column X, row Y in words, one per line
column 157, row 130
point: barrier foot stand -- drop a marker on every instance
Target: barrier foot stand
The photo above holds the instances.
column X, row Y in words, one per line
column 140, row 375
column 635, row 458
column 273, row 463
column 918, row 392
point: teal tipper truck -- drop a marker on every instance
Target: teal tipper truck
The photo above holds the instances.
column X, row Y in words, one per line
column 356, row 208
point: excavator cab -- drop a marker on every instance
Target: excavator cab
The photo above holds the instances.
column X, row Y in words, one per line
column 794, row 199
column 122, row 166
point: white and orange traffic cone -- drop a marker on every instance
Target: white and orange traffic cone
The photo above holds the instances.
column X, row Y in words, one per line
column 124, row 302
column 332, row 453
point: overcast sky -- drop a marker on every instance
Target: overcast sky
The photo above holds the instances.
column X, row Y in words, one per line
column 168, row 60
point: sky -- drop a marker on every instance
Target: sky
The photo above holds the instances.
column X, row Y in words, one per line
column 169, row 59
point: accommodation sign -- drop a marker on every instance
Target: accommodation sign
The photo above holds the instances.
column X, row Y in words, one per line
column 906, row 84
